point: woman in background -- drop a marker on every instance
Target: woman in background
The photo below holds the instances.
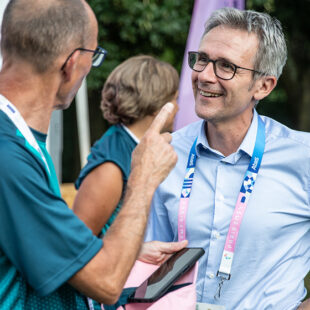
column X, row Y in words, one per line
column 132, row 96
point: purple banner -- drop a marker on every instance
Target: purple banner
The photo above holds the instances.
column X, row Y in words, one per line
column 201, row 12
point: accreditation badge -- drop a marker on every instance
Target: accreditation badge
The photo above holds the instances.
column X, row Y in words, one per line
column 204, row 306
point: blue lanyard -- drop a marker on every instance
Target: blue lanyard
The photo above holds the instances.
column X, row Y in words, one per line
column 245, row 192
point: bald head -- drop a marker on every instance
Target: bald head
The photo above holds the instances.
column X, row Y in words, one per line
column 39, row 31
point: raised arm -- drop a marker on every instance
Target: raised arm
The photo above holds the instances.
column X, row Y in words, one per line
column 104, row 276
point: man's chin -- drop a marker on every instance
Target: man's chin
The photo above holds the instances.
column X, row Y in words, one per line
column 207, row 111
column 201, row 112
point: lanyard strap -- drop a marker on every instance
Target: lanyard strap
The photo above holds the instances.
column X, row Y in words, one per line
column 10, row 110
column 242, row 201
column 186, row 191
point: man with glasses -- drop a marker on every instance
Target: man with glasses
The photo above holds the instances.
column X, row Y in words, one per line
column 49, row 259
column 241, row 186
column 98, row 56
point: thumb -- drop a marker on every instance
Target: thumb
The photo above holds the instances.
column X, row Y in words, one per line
column 171, row 247
column 161, row 118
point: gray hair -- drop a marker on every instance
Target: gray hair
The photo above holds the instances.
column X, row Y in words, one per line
column 272, row 52
column 39, row 31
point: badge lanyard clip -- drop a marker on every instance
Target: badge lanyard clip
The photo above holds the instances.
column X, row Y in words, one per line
column 223, row 277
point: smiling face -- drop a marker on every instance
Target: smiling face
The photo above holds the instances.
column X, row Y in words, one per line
column 221, row 101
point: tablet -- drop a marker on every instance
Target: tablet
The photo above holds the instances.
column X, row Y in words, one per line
column 166, row 275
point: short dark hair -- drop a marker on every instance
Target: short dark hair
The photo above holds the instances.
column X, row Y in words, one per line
column 39, row 31
column 138, row 87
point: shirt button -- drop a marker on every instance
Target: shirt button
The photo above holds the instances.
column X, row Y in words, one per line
column 221, row 197
column 217, row 235
column 211, row 275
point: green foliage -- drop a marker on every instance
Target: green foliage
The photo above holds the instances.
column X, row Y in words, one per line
column 289, row 102
column 160, row 28
column 128, row 28
column 268, row 5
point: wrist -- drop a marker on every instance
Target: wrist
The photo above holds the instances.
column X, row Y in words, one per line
column 141, row 182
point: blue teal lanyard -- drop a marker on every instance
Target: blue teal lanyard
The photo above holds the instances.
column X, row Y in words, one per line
column 245, row 192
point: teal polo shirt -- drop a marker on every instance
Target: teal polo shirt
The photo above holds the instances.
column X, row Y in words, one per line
column 42, row 243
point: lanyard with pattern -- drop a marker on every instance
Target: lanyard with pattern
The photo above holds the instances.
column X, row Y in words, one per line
column 242, row 201
column 10, row 110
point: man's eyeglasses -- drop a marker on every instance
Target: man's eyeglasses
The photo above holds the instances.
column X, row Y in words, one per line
column 98, row 56
column 223, row 69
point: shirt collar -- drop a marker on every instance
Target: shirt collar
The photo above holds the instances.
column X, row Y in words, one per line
column 249, row 140
column 131, row 134
column 247, row 145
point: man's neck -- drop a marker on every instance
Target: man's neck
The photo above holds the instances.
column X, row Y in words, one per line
column 226, row 137
column 32, row 98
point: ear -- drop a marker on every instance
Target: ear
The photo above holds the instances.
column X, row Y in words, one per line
column 69, row 68
column 264, row 86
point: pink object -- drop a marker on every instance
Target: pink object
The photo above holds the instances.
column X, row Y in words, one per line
column 183, row 298
column 182, row 219
column 235, row 225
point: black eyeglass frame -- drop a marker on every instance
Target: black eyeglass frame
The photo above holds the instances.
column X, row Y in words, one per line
column 98, row 50
column 214, row 66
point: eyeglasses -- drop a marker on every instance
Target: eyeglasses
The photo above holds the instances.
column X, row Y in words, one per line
column 99, row 55
column 223, row 69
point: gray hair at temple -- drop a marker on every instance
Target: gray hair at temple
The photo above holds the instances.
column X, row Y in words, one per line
column 39, row 31
column 272, row 51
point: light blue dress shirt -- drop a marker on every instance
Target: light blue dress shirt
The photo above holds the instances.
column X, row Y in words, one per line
column 272, row 254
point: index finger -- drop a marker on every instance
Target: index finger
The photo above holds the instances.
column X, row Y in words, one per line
column 161, row 118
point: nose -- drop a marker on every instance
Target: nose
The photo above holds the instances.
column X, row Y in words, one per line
column 208, row 74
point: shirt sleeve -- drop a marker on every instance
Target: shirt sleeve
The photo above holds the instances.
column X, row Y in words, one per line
column 116, row 148
column 158, row 227
column 39, row 234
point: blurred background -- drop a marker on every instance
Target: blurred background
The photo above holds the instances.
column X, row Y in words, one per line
column 160, row 28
